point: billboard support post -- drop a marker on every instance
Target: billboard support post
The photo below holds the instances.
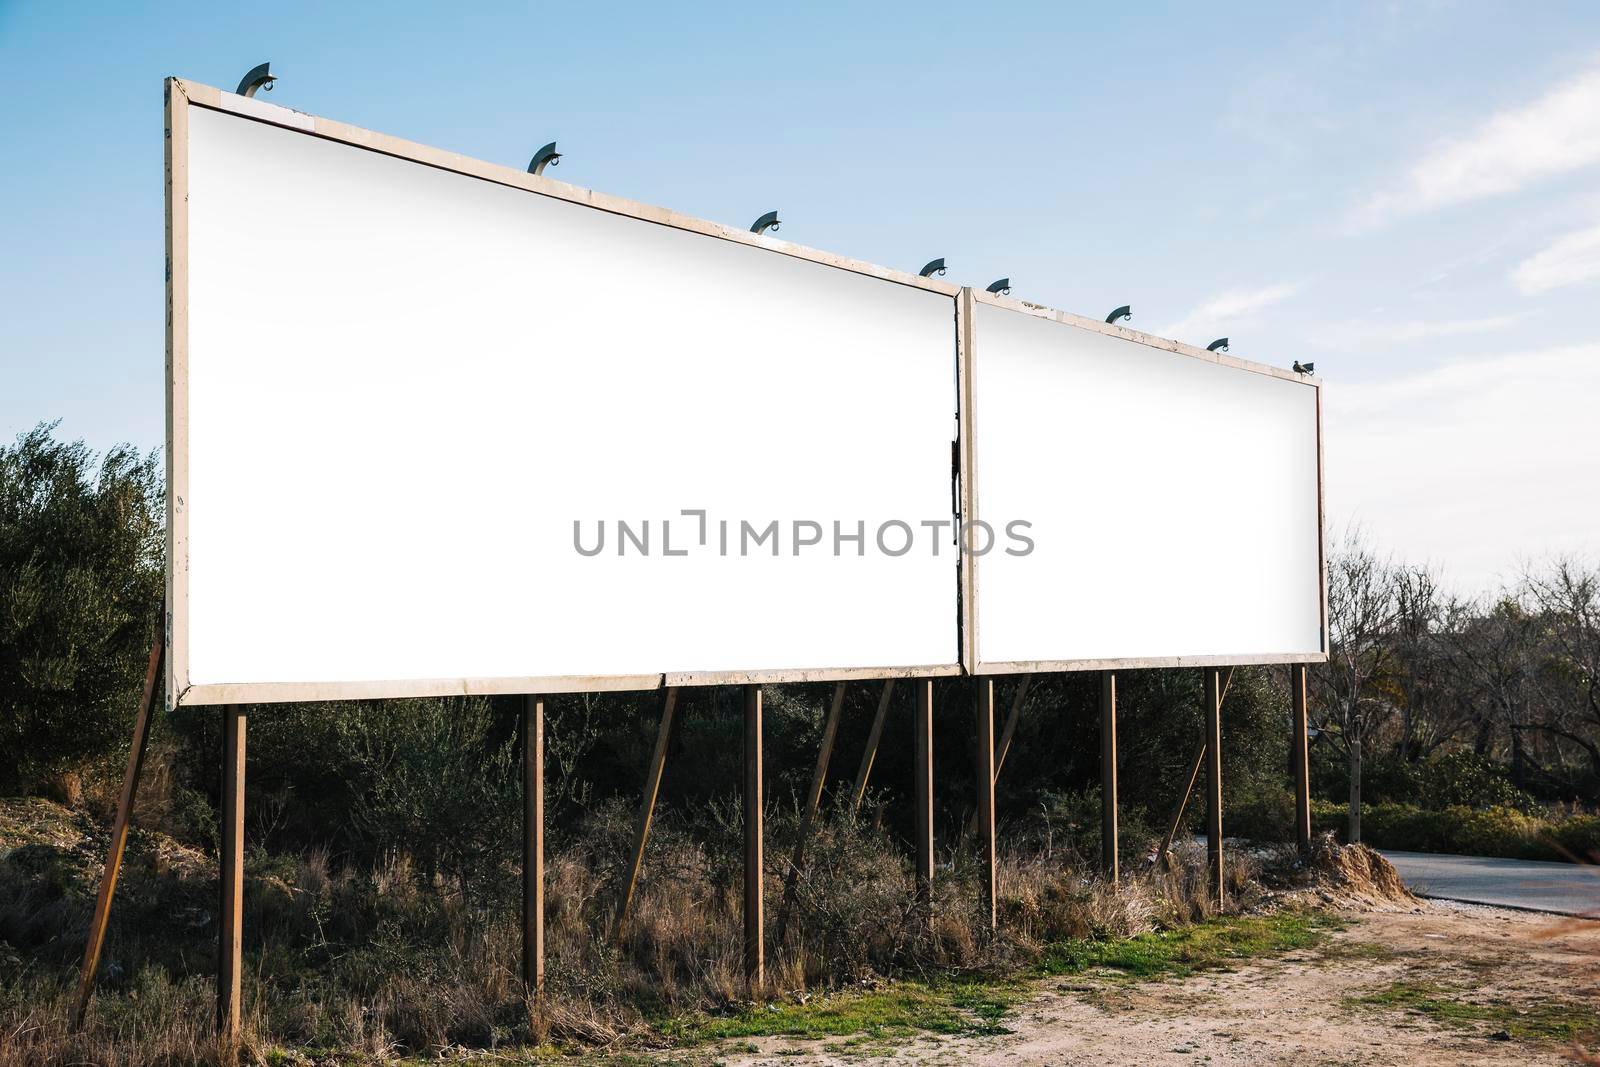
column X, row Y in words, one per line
column 754, row 800
column 1299, row 746
column 924, row 789
column 1188, row 789
column 119, row 828
column 864, row 772
column 647, row 810
column 1108, row 774
column 533, row 844
column 1213, row 701
column 819, row 777
column 230, row 925
column 1182, row 804
column 1004, row 748
column 983, row 704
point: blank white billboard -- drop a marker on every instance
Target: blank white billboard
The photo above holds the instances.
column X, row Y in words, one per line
column 1173, row 497
column 402, row 396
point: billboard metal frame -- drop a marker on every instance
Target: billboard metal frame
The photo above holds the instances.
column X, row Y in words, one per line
column 971, row 585
column 181, row 95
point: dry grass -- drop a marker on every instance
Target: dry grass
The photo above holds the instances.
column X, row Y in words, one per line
column 376, row 963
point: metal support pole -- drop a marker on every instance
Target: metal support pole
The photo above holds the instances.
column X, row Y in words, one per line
column 119, row 828
column 1015, row 715
column 1194, row 776
column 1183, row 803
column 819, row 777
column 1003, row 749
column 1299, row 745
column 924, row 789
column 983, row 704
column 533, row 844
column 652, row 786
column 864, row 772
column 230, row 928
column 1108, row 774
column 1213, row 702
column 754, row 928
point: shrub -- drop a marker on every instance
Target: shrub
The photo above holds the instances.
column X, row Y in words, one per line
column 80, row 580
column 1493, row 831
column 1267, row 814
column 1066, row 826
column 1470, row 780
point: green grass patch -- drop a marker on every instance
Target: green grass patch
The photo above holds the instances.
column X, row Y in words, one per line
column 1537, row 1020
column 954, row 1007
column 1216, row 943
column 969, row 1006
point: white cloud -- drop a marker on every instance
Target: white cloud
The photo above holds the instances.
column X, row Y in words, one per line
column 1474, row 465
column 1225, row 311
column 1557, row 133
column 1369, row 333
column 1571, row 259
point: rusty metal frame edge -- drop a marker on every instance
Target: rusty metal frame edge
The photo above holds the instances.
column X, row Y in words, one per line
column 357, row 137
column 176, row 622
column 287, row 692
column 966, row 452
column 822, row 674
column 1322, row 535
column 1143, row 662
column 1165, row 344
column 182, row 94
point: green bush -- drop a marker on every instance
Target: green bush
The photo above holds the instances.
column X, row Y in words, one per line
column 1468, row 779
column 81, row 544
column 1440, row 781
column 1267, row 814
column 1068, row 823
column 1492, row 831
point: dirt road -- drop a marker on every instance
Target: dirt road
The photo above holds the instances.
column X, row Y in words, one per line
column 1440, row 984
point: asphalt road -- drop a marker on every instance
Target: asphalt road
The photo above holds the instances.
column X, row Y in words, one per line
column 1565, row 888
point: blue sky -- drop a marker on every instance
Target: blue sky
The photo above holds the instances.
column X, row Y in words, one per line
column 1407, row 194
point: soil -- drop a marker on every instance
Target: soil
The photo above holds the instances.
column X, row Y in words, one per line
column 1296, row 1009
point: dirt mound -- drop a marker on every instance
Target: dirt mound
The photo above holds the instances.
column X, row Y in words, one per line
column 1328, row 874
column 1356, row 871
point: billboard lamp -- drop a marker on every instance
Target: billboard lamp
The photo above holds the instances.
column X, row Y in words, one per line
column 545, row 157
column 260, row 77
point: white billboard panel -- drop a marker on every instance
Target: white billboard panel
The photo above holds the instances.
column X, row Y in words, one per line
column 401, row 382
column 1173, row 495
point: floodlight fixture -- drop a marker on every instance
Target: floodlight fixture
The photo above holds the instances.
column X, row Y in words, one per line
column 545, row 157
column 260, row 77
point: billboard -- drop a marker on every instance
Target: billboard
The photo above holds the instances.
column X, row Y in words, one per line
column 1172, row 495
column 437, row 426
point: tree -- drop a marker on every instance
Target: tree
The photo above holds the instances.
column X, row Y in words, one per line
column 80, row 584
column 1566, row 600
column 1362, row 608
column 1494, row 653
